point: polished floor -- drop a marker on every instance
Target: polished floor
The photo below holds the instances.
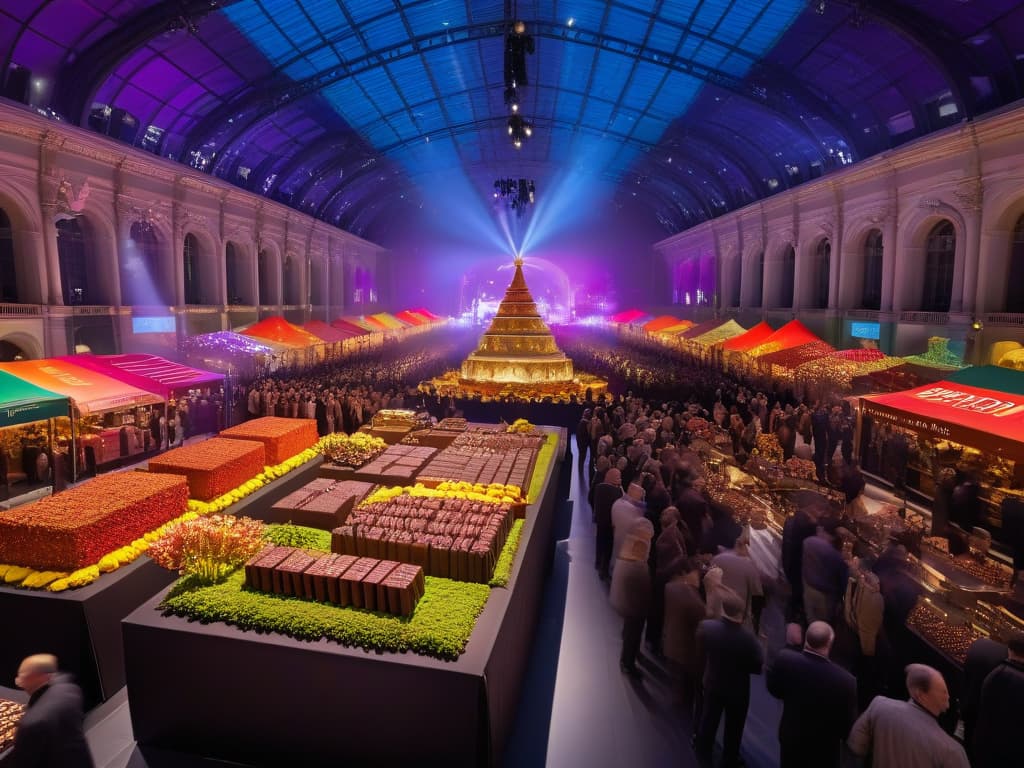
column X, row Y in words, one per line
column 577, row 708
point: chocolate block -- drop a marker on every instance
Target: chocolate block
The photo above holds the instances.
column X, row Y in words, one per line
column 314, row 578
column 339, row 591
column 403, row 588
column 264, row 567
column 419, row 553
column 354, row 576
column 374, row 596
column 288, row 573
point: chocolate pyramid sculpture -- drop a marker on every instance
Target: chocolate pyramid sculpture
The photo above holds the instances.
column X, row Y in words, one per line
column 518, row 348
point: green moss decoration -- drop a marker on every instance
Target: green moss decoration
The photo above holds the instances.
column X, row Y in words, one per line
column 503, row 569
column 540, row 468
column 440, row 626
column 289, row 535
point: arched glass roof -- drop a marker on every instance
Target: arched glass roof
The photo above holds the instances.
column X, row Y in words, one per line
column 331, row 106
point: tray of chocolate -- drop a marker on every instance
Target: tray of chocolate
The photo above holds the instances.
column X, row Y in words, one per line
column 943, row 631
column 10, row 714
column 496, row 439
column 480, row 465
column 453, row 424
column 322, row 503
column 451, row 538
column 965, row 571
column 432, row 438
column 370, row 583
column 398, row 465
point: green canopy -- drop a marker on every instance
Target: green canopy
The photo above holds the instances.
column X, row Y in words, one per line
column 991, row 377
column 22, row 402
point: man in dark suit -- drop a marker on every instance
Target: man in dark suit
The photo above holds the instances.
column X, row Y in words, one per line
column 983, row 656
column 996, row 738
column 819, row 701
column 729, row 654
column 50, row 732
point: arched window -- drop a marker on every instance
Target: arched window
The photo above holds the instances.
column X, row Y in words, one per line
column 8, row 279
column 756, row 281
column 233, row 274
column 291, row 283
column 74, row 271
column 193, row 294
column 263, row 268
column 788, row 274
column 822, row 263
column 733, row 299
column 1015, row 279
column 871, row 293
column 141, row 283
column 938, row 268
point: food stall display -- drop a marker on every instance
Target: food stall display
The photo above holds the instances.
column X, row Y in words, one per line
column 10, row 714
column 282, row 438
column 212, row 467
column 227, row 351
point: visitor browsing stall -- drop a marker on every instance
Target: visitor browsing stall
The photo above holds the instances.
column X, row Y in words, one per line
column 27, row 415
column 105, row 411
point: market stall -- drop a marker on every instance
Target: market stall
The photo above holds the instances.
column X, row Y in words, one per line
column 26, row 428
column 234, row 353
column 308, row 349
column 660, row 323
column 106, row 411
column 734, row 349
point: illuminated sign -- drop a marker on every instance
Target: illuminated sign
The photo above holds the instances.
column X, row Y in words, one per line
column 969, row 402
column 865, row 330
column 153, row 324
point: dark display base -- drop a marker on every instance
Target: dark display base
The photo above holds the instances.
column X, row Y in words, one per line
column 80, row 626
column 222, row 692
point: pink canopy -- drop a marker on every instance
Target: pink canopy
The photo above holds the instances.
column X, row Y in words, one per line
column 148, row 372
column 325, row 332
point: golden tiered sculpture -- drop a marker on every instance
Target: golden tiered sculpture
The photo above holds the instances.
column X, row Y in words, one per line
column 518, row 348
column 518, row 356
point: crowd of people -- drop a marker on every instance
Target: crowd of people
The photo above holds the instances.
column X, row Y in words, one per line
column 685, row 574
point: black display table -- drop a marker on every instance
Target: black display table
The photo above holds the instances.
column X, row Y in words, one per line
column 266, row 699
column 82, row 627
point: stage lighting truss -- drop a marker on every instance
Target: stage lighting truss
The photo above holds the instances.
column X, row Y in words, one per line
column 518, row 193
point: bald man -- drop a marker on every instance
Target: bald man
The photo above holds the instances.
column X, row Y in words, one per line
column 50, row 733
column 819, row 701
column 906, row 734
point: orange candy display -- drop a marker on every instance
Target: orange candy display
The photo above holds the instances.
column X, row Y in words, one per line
column 213, row 467
column 282, row 438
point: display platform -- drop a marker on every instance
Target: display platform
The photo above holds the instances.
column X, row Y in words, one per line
column 279, row 701
column 82, row 627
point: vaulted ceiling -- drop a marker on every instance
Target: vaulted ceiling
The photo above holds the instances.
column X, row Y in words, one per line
column 349, row 109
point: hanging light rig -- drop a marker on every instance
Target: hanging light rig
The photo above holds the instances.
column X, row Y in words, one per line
column 519, row 193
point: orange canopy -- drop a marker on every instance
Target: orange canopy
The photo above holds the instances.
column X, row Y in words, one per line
column 663, row 321
column 279, row 330
column 91, row 391
column 750, row 339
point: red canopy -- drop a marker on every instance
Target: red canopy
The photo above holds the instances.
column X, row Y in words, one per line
column 349, row 328
column 325, row 332
column 279, row 330
column 792, row 334
column 426, row 313
column 750, row 339
column 979, row 418
column 628, row 316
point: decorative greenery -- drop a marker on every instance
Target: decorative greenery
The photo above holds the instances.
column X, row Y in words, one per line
column 289, row 535
column 440, row 626
column 503, row 569
column 540, row 468
column 208, row 548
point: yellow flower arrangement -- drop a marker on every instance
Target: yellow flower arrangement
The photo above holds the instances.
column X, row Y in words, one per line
column 495, row 492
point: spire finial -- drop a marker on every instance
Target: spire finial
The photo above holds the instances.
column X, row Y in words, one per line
column 518, row 261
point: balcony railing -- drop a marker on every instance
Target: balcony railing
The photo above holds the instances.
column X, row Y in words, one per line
column 20, row 310
column 863, row 314
column 1004, row 318
column 80, row 310
column 928, row 318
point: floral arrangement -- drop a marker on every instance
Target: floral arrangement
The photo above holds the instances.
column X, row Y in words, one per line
column 212, row 467
column 495, row 492
column 353, row 450
column 76, row 528
column 281, row 438
column 768, row 447
column 208, row 548
column 800, row 468
column 521, row 427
